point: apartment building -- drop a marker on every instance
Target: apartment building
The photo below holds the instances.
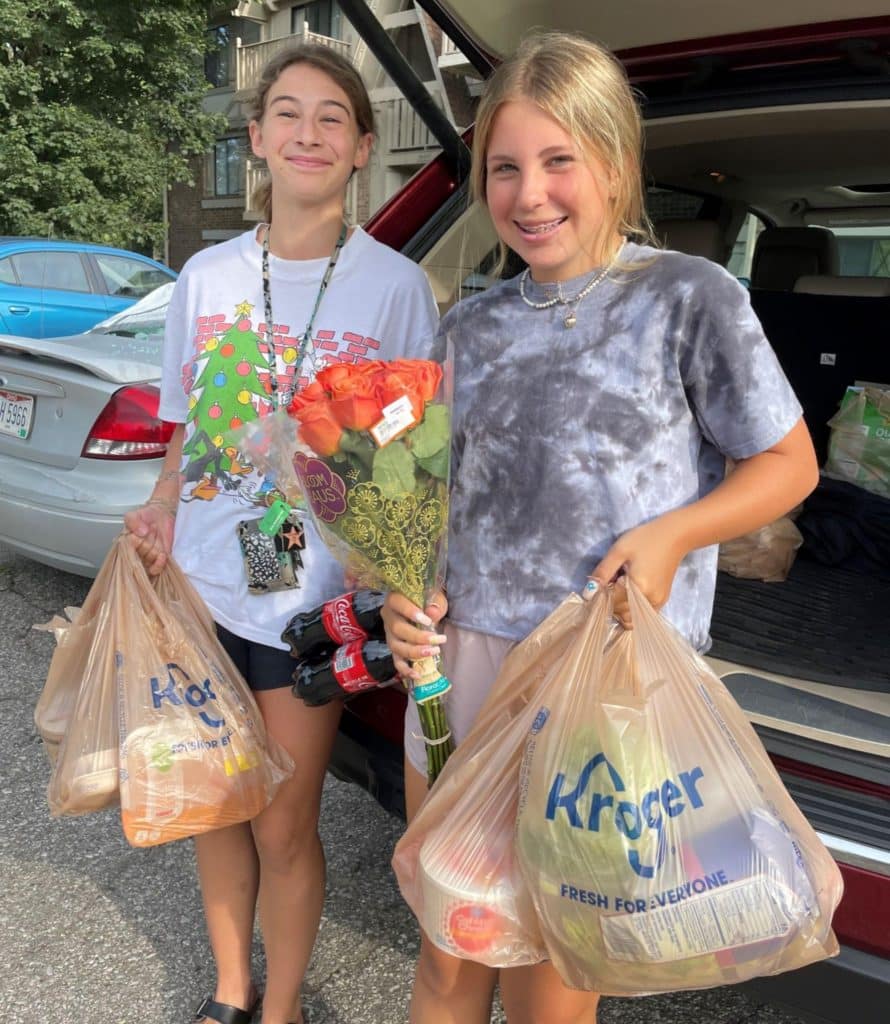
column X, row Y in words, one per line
column 246, row 35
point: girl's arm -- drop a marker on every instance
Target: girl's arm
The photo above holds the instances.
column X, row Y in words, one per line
column 758, row 491
column 151, row 525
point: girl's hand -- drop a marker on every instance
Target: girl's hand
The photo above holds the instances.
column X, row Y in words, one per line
column 649, row 555
column 409, row 631
column 151, row 533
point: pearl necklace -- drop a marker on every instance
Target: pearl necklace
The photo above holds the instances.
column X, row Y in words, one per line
column 570, row 319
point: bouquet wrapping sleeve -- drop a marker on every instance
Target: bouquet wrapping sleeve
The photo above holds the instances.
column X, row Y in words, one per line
column 456, row 863
column 268, row 444
column 659, row 846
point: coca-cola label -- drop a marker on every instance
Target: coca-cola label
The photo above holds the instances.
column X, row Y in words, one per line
column 339, row 621
column 350, row 669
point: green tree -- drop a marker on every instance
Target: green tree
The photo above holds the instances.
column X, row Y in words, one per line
column 100, row 103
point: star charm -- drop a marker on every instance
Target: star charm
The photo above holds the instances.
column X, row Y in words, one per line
column 294, row 537
column 243, row 308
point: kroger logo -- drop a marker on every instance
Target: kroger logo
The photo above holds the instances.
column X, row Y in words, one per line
column 180, row 689
column 602, row 801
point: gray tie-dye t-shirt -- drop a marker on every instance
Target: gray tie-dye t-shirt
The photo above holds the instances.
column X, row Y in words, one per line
column 566, row 438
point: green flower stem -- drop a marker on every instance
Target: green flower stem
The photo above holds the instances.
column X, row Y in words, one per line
column 434, row 722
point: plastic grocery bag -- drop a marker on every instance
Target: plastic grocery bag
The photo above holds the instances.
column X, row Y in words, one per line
column 766, row 554
column 659, row 846
column 76, row 714
column 69, row 666
column 189, row 747
column 455, row 864
column 194, row 753
column 859, row 443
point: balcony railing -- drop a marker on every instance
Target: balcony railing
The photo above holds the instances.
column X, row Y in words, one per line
column 403, row 128
column 253, row 57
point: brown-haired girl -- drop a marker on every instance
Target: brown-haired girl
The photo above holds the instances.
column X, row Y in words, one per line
column 250, row 322
column 596, row 397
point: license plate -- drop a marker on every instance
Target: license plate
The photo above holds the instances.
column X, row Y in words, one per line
column 16, row 412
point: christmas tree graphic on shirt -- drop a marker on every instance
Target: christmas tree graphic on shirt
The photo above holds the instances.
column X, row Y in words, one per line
column 228, row 385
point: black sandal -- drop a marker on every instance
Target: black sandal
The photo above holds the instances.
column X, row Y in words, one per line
column 225, row 1013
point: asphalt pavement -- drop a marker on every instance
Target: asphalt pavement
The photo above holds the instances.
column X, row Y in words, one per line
column 94, row 932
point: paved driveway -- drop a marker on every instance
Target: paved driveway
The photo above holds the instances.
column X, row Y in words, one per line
column 94, row 932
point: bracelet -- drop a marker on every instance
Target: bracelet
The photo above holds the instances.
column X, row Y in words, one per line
column 167, row 504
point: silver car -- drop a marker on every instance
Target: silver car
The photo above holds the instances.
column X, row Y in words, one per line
column 80, row 441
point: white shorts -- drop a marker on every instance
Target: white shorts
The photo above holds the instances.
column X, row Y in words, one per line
column 471, row 661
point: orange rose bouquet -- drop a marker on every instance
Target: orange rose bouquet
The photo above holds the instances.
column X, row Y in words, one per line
column 373, row 463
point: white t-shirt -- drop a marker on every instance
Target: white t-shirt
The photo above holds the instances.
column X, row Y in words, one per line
column 378, row 305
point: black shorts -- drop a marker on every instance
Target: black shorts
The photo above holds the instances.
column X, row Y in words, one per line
column 264, row 668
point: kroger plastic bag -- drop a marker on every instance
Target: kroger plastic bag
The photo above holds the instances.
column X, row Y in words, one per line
column 194, row 752
column 766, row 554
column 659, row 846
column 161, row 716
column 455, row 864
column 859, row 443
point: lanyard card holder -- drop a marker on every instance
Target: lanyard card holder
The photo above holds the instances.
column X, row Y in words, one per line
column 271, row 552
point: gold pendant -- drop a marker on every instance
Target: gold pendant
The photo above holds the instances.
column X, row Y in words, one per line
column 570, row 319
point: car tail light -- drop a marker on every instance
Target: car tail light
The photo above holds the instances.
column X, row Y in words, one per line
column 128, row 427
column 863, row 917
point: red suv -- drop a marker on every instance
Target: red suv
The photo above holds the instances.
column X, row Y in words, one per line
column 768, row 151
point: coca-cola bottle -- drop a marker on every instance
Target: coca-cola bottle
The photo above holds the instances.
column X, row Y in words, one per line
column 349, row 617
column 355, row 667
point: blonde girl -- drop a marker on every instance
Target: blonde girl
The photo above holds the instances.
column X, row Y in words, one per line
column 597, row 395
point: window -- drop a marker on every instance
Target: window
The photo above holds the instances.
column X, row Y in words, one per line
column 63, row 270
column 320, row 16
column 127, row 278
column 219, row 63
column 663, row 204
column 742, row 258
column 864, row 252
column 7, row 274
column 225, row 171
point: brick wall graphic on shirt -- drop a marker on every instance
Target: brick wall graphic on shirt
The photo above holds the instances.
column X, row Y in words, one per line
column 228, row 384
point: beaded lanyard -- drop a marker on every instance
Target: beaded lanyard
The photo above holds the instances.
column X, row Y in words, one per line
column 278, row 401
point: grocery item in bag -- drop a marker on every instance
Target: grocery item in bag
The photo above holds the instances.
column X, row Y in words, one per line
column 859, row 443
column 658, row 844
column 765, row 554
column 456, row 864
